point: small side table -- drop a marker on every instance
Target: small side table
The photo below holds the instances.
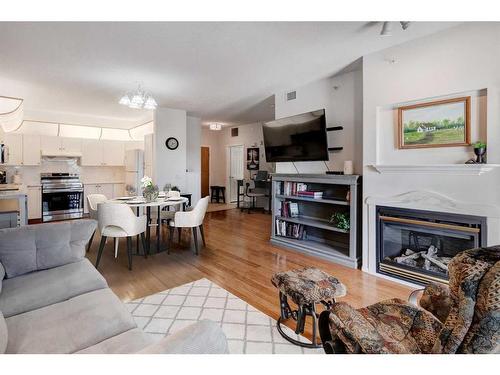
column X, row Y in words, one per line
column 306, row 287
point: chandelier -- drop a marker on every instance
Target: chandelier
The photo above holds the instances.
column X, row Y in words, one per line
column 138, row 99
column 215, row 126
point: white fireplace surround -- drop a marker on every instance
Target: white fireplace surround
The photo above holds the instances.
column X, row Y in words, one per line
column 429, row 201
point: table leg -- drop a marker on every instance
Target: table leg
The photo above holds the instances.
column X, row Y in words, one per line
column 137, row 237
column 158, row 231
column 148, row 229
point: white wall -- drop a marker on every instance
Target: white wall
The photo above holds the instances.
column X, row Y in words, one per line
column 170, row 165
column 460, row 60
column 342, row 99
column 193, row 158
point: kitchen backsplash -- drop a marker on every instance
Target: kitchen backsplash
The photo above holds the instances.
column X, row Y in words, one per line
column 31, row 174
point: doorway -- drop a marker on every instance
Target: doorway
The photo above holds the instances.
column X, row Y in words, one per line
column 235, row 168
column 205, row 171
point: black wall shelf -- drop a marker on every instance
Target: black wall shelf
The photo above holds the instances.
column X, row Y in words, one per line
column 334, row 128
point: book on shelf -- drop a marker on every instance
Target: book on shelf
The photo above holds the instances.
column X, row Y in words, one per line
column 291, row 188
column 311, row 194
column 289, row 209
column 290, row 230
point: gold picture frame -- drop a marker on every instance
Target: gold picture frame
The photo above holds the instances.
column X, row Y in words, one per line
column 445, row 123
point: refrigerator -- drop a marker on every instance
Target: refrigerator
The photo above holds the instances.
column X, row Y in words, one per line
column 134, row 171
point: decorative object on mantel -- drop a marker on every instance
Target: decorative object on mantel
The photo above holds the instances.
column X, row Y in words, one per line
column 341, row 220
column 150, row 191
column 442, row 169
column 480, row 151
column 348, row 167
column 441, row 123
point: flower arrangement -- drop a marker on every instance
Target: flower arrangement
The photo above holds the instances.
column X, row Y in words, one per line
column 149, row 190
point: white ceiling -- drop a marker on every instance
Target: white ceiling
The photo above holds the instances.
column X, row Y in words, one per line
column 222, row 72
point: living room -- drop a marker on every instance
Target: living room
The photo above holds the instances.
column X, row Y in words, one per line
column 215, row 197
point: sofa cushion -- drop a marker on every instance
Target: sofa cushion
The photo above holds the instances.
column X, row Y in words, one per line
column 125, row 343
column 3, row 334
column 39, row 289
column 69, row 326
column 2, row 275
column 42, row 246
column 18, row 250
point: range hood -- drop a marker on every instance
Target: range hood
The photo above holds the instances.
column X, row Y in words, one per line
column 60, row 155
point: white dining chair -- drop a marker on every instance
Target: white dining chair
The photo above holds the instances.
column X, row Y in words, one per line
column 190, row 219
column 117, row 220
column 92, row 201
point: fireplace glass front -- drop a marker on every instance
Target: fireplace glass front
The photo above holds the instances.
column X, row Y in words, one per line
column 417, row 246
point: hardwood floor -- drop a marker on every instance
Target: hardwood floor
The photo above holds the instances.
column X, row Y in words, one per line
column 238, row 257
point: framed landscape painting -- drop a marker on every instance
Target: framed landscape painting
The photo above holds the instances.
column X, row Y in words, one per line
column 442, row 123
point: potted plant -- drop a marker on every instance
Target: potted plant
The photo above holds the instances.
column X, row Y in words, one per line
column 341, row 220
column 480, row 151
column 149, row 190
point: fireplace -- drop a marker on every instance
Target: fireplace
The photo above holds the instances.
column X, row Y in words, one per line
column 416, row 245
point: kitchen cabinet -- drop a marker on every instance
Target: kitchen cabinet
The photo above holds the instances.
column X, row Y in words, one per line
column 58, row 145
column 31, row 150
column 102, row 153
column 113, row 153
column 91, row 152
column 14, row 142
column 118, row 190
column 34, row 202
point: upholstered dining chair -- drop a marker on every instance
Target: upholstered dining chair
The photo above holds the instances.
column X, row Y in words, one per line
column 117, row 220
column 190, row 219
column 92, row 201
column 460, row 318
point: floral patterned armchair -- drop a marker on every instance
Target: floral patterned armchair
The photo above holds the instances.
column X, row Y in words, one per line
column 461, row 318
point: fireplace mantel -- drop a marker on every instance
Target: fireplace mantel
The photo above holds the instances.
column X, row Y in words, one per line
column 454, row 169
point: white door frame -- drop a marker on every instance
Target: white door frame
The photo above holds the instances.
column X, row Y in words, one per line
column 228, row 168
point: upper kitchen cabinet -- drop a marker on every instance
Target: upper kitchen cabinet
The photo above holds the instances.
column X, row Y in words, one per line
column 113, row 153
column 91, row 152
column 14, row 142
column 31, row 149
column 102, row 153
column 59, row 145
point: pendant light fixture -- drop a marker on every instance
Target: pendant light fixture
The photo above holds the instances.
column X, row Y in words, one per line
column 138, row 99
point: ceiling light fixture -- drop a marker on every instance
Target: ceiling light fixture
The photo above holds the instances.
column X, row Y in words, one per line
column 215, row 126
column 387, row 27
column 138, row 99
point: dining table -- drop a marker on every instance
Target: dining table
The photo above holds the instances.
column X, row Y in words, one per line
column 162, row 202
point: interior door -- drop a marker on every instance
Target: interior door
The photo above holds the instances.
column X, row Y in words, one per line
column 236, row 163
column 205, row 170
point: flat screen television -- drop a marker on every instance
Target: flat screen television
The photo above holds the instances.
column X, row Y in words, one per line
column 296, row 138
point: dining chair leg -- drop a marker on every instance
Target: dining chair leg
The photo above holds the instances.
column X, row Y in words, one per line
column 115, row 242
column 90, row 242
column 101, row 248
column 170, row 239
column 179, row 231
column 144, row 246
column 202, row 235
column 195, row 237
column 129, row 252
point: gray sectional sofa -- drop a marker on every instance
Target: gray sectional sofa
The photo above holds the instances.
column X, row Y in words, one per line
column 53, row 300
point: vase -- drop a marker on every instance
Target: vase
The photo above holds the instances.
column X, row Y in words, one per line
column 480, row 153
column 150, row 193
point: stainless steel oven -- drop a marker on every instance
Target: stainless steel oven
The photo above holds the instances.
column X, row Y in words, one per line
column 62, row 196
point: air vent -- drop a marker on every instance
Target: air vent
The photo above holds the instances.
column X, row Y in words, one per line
column 292, row 95
column 234, row 132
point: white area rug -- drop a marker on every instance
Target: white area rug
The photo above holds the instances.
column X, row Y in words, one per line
column 248, row 330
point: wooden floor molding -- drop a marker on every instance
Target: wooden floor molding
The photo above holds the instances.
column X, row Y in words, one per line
column 239, row 258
